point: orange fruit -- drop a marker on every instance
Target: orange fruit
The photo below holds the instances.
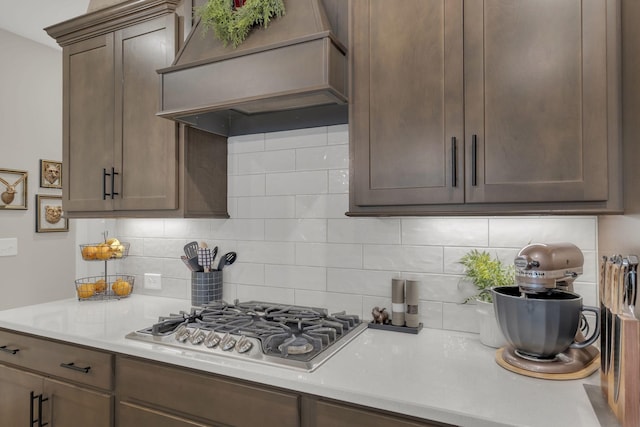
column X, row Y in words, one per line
column 103, row 251
column 100, row 285
column 121, row 287
column 85, row 290
column 89, row 252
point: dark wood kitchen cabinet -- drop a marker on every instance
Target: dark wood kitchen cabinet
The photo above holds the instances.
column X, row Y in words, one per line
column 484, row 106
column 49, row 382
column 119, row 158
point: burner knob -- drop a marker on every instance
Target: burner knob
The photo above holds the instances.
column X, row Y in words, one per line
column 243, row 345
column 227, row 343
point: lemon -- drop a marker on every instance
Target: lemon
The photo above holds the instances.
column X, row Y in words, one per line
column 100, row 285
column 103, row 251
column 121, row 287
column 89, row 252
column 86, row 290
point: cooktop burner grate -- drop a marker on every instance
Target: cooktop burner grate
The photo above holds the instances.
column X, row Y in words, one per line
column 278, row 334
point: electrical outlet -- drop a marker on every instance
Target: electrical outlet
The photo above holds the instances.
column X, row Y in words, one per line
column 152, row 281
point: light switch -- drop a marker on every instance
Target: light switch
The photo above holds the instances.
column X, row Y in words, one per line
column 9, row 247
column 152, row 281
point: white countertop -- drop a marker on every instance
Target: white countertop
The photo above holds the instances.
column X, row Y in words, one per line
column 436, row 375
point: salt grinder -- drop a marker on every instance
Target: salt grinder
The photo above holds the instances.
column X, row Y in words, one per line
column 412, row 316
column 397, row 302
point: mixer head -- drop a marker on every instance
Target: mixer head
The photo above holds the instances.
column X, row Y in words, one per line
column 541, row 267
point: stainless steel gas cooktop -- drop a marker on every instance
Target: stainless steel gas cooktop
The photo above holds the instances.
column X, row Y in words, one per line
column 283, row 335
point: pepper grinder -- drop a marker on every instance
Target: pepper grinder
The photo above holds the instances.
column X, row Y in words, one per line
column 412, row 316
column 397, row 302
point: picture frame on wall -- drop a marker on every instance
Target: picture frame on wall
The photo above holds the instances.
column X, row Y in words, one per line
column 13, row 189
column 50, row 174
column 49, row 216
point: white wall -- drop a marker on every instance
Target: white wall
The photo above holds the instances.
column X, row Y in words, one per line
column 31, row 123
column 288, row 192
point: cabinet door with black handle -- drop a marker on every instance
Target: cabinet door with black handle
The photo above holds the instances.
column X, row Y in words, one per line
column 16, row 388
column 536, row 100
column 406, row 117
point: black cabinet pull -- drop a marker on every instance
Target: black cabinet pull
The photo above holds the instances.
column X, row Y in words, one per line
column 104, row 184
column 113, row 183
column 74, row 367
column 9, row 350
column 454, row 162
column 474, row 160
column 41, row 399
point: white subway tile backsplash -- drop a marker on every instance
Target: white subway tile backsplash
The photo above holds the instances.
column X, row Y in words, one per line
column 266, row 294
column 287, row 196
column 339, row 181
column 360, row 282
column 187, row 228
column 246, row 185
column 321, row 158
column 265, row 162
column 329, row 255
column 338, row 134
column 322, row 206
column 403, row 258
column 246, row 143
column 445, row 231
column 296, row 230
column 364, row 230
column 164, row 247
column 140, row 227
column 267, row 252
column 266, row 207
column 333, row 302
column 299, row 138
column 244, row 273
column 519, row 232
column 292, row 183
column 296, row 277
column 238, row 229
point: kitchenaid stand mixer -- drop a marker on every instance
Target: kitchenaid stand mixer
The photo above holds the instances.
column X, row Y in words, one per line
column 536, row 314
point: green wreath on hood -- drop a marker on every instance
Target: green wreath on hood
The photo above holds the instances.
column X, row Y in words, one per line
column 232, row 25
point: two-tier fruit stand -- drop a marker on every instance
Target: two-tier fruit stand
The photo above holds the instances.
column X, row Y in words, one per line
column 106, row 286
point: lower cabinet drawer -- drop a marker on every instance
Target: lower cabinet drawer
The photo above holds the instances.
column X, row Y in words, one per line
column 327, row 414
column 131, row 415
column 203, row 396
column 66, row 361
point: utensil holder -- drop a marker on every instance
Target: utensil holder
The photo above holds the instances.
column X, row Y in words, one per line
column 206, row 287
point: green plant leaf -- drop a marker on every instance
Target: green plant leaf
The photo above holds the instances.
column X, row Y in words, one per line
column 486, row 272
column 233, row 25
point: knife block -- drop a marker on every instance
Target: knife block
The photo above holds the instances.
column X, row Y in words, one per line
column 625, row 401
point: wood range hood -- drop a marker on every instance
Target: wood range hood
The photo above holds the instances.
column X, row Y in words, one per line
column 291, row 75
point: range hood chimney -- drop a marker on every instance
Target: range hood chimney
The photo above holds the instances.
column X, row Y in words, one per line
column 291, row 75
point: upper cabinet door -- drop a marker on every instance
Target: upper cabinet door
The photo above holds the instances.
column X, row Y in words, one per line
column 88, row 99
column 536, row 100
column 406, row 102
column 146, row 145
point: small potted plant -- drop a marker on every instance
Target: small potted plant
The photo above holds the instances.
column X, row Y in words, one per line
column 231, row 21
column 485, row 273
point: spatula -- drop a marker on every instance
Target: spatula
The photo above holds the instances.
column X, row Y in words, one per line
column 191, row 250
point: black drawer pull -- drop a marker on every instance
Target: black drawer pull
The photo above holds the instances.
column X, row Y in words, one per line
column 454, row 162
column 474, row 160
column 104, row 184
column 73, row 367
column 9, row 350
column 113, row 183
column 38, row 420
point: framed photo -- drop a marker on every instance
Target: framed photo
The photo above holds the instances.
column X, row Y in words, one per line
column 13, row 189
column 49, row 214
column 50, row 174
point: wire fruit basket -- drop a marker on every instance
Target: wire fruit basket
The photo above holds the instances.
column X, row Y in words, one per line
column 104, row 287
column 104, row 251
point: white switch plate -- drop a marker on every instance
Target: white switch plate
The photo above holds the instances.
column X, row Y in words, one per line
column 152, row 281
column 9, row 247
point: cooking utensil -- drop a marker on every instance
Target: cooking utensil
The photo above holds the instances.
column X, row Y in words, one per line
column 186, row 262
column 205, row 259
column 213, row 255
column 228, row 259
column 191, row 250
